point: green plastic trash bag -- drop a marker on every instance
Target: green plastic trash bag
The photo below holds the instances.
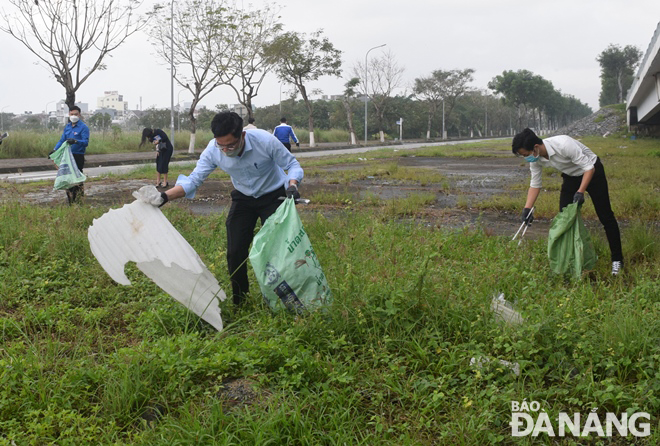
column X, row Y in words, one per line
column 288, row 272
column 68, row 173
column 570, row 248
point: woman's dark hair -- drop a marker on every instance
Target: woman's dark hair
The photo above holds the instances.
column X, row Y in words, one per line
column 146, row 134
column 526, row 139
column 225, row 123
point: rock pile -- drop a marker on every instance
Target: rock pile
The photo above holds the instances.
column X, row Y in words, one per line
column 604, row 122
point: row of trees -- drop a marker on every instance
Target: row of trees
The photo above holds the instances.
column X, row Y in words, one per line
column 213, row 43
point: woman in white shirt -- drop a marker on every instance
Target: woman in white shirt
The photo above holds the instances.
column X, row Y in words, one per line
column 581, row 170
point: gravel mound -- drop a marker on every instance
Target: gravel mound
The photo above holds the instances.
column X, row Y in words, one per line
column 604, row 122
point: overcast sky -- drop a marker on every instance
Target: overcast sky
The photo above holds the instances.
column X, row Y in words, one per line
column 557, row 39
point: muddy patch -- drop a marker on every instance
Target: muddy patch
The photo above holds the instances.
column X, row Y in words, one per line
column 469, row 181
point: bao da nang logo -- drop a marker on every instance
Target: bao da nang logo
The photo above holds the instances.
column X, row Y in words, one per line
column 529, row 418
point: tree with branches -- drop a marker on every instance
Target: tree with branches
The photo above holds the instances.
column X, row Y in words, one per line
column 72, row 37
column 617, row 70
column 298, row 60
column 384, row 76
column 442, row 86
column 200, row 49
column 248, row 66
column 347, row 101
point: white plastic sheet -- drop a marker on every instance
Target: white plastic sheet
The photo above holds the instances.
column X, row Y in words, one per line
column 139, row 232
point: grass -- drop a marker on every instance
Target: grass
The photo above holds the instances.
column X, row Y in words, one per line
column 27, row 144
column 86, row 361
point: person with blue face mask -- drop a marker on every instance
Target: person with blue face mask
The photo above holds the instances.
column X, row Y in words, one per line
column 262, row 171
column 581, row 171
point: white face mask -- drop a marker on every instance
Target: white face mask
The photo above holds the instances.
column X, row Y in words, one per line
column 74, row 119
column 231, row 153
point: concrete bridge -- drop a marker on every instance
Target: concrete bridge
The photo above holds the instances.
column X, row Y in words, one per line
column 643, row 101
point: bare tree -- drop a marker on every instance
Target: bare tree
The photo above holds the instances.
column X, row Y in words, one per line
column 203, row 43
column 254, row 30
column 72, row 37
column 298, row 60
column 384, row 76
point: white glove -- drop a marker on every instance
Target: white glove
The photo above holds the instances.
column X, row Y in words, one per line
column 151, row 195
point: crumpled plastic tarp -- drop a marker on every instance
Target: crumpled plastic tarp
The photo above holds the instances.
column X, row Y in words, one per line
column 139, row 232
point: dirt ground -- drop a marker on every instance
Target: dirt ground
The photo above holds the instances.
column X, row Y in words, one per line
column 469, row 181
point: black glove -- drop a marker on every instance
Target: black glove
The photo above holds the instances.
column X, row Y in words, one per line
column 163, row 195
column 71, row 141
column 578, row 198
column 292, row 191
column 297, row 144
column 50, row 153
column 527, row 217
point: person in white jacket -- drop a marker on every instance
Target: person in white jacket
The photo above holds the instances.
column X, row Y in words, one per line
column 581, row 171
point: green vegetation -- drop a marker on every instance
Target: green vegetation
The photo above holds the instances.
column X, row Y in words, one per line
column 30, row 144
column 86, row 361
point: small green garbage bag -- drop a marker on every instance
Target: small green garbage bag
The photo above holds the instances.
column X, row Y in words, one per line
column 67, row 169
column 288, row 272
column 570, row 248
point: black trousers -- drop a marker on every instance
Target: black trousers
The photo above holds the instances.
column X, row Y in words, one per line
column 241, row 221
column 287, row 145
column 600, row 196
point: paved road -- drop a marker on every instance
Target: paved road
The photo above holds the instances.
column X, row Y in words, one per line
column 91, row 172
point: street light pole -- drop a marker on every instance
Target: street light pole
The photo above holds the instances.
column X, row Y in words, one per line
column 366, row 95
column 172, row 71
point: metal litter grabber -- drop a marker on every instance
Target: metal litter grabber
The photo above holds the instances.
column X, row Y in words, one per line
column 526, row 225
column 297, row 200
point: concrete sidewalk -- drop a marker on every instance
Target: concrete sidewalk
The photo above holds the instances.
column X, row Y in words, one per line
column 19, row 165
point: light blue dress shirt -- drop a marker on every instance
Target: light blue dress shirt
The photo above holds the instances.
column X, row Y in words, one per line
column 264, row 166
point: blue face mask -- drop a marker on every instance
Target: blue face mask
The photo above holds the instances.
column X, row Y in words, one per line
column 532, row 158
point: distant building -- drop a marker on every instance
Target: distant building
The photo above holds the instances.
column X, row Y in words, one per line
column 240, row 109
column 62, row 110
column 332, row 97
column 112, row 100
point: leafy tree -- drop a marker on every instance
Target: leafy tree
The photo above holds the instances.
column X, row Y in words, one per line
column 442, row 86
column 100, row 121
column 347, row 101
column 155, row 118
column 298, row 60
column 72, row 37
column 617, row 71
column 384, row 76
column 203, row 44
column 522, row 88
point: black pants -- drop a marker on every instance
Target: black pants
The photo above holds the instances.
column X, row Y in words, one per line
column 163, row 161
column 600, row 196
column 287, row 145
column 77, row 190
column 241, row 220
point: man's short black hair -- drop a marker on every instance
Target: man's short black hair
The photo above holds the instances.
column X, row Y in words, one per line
column 75, row 107
column 225, row 123
column 251, row 120
column 283, row 119
column 526, row 139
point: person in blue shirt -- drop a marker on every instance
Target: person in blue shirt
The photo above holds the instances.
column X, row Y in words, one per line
column 284, row 133
column 76, row 133
column 261, row 170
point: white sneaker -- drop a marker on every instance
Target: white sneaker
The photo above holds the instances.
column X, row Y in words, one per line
column 616, row 267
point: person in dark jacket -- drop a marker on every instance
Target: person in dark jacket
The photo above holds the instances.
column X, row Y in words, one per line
column 284, row 132
column 76, row 134
column 164, row 151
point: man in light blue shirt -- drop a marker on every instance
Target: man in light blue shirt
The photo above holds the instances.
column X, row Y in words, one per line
column 261, row 170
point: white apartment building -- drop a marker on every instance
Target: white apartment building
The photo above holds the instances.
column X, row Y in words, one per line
column 113, row 100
